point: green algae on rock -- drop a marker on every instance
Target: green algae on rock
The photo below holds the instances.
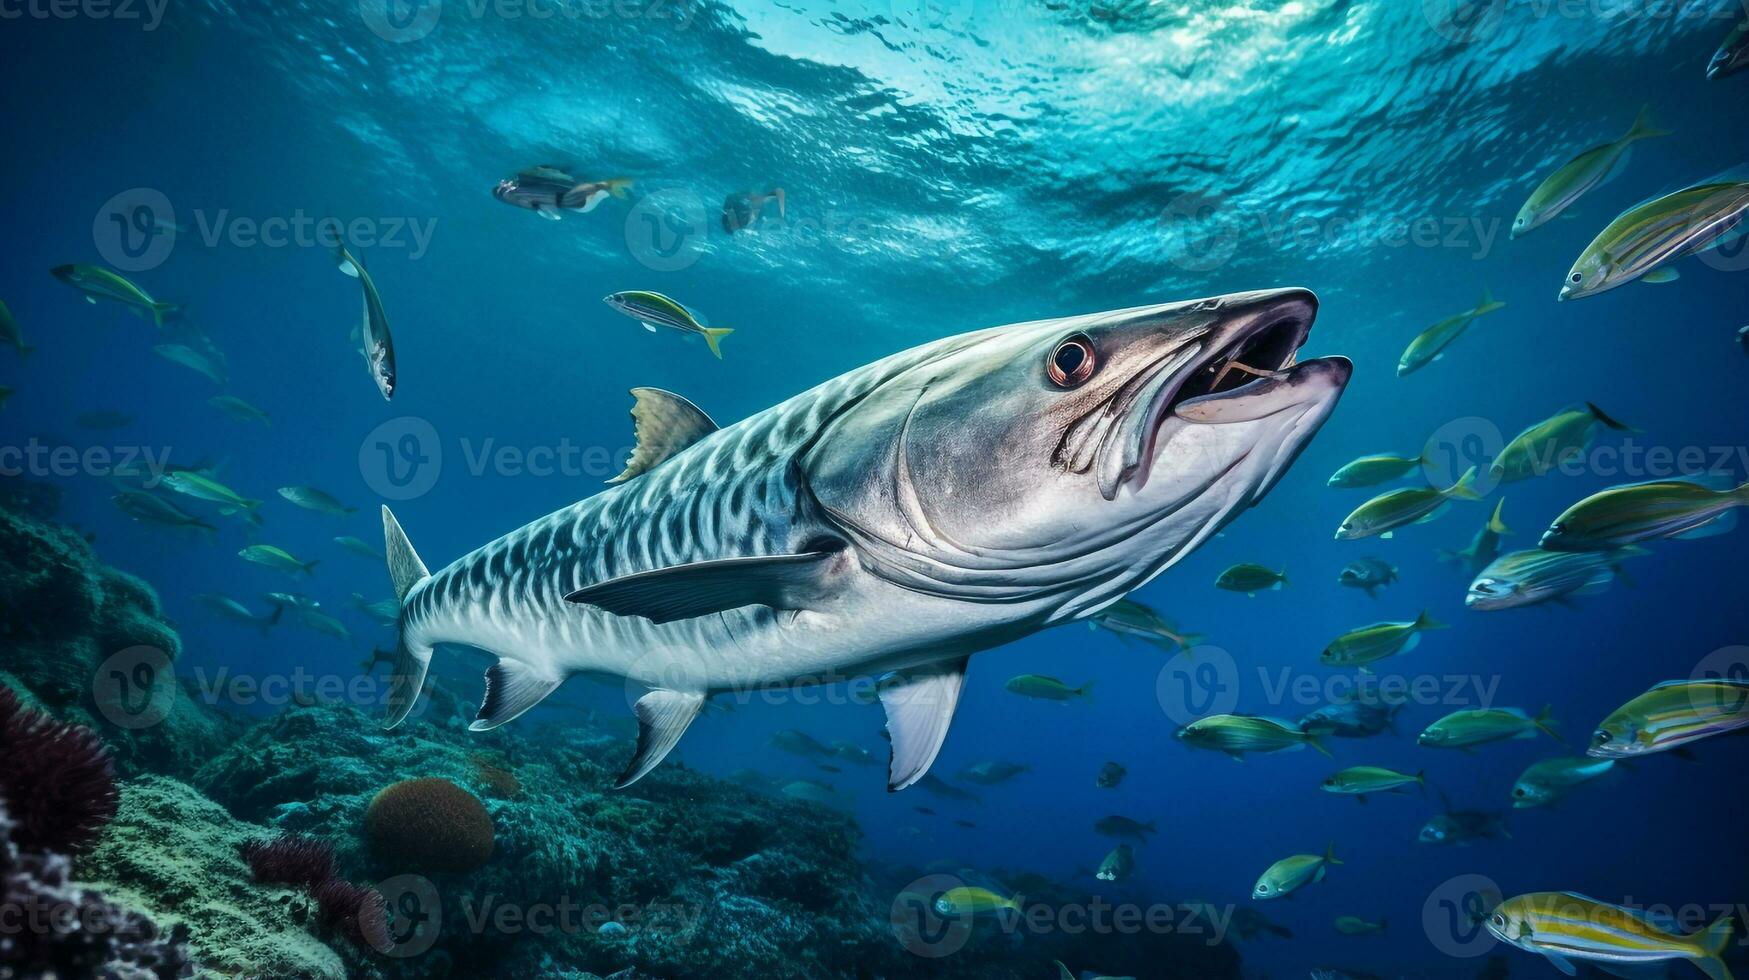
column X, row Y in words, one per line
column 177, row 856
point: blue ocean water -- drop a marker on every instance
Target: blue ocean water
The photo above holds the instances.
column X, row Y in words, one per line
column 947, row 166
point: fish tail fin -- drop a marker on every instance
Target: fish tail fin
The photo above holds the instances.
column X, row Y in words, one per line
column 1085, row 691
column 618, row 186
column 713, row 335
column 1488, row 304
column 1330, row 854
column 412, row 660
column 1713, row 942
column 1601, row 416
column 1643, row 127
column 1421, row 780
column 1281, row 577
column 25, row 350
column 1465, row 489
column 309, row 567
column 1427, row 622
column 1317, row 742
column 1545, row 722
column 1495, row 524
column 163, row 313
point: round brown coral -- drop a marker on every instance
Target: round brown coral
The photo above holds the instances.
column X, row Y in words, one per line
column 56, row 778
column 428, row 825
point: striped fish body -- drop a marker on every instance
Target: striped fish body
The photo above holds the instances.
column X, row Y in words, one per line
column 1566, row 926
column 892, row 521
column 1661, row 230
column 1672, row 715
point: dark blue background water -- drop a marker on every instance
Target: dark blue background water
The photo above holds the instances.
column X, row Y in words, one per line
column 946, row 168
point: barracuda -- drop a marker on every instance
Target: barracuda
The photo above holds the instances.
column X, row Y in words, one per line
column 890, row 522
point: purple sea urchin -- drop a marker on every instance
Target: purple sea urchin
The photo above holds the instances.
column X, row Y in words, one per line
column 291, row 859
column 56, row 778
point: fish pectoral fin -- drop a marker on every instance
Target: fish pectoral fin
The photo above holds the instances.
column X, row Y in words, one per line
column 662, row 719
column 701, row 588
column 512, row 687
column 1562, row 964
column 919, row 705
column 665, row 424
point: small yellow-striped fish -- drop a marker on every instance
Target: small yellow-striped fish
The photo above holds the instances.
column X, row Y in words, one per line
column 1565, row 926
column 1670, row 716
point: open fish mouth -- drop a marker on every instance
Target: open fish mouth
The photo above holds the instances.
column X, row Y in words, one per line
column 1246, row 369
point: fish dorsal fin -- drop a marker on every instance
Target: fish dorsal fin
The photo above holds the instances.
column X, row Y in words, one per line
column 665, row 424
column 919, row 705
column 664, row 595
column 405, row 568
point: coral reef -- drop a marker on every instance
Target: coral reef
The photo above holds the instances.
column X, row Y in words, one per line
column 65, row 616
column 428, row 825
column 55, row 778
column 59, row 929
column 501, row 853
column 178, row 856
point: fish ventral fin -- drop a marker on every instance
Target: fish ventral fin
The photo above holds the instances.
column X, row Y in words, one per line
column 662, row 719
column 665, row 424
column 919, row 705
column 512, row 687
column 664, row 595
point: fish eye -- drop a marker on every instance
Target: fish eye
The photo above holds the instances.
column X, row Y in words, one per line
column 1576, row 278
column 1072, row 362
column 1518, row 791
column 1498, row 920
column 1601, row 737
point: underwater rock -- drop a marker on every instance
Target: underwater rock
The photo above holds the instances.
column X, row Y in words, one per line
column 178, row 857
column 64, row 616
column 428, row 825
column 61, row 929
column 56, row 779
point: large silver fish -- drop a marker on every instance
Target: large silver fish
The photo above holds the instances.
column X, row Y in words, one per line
column 892, row 521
